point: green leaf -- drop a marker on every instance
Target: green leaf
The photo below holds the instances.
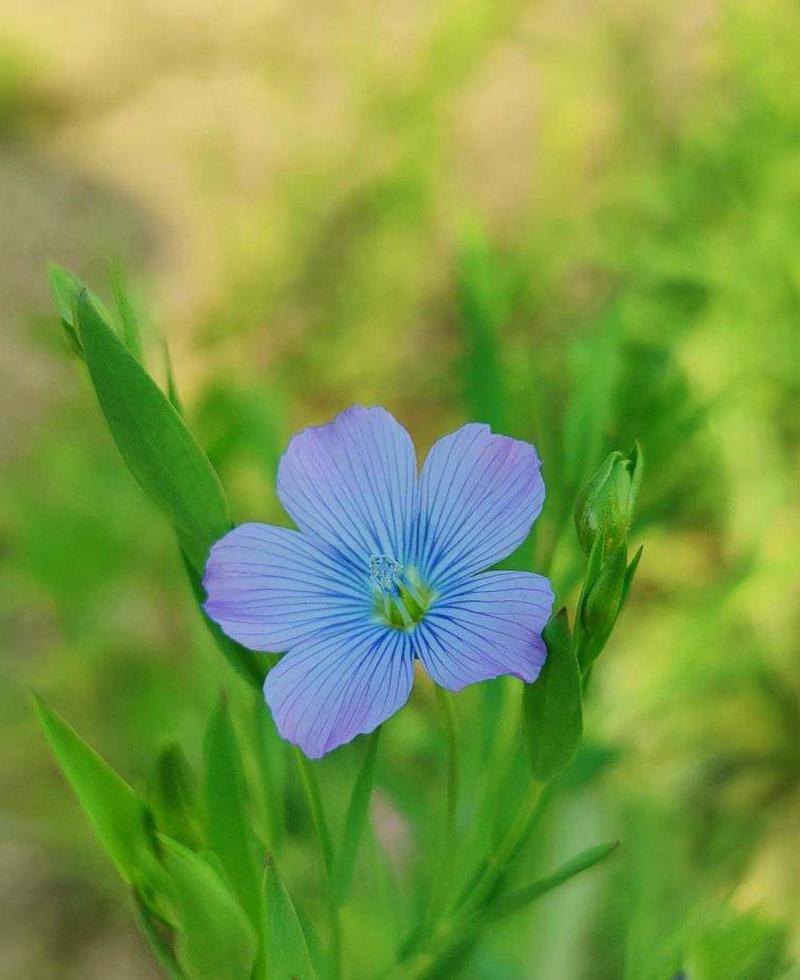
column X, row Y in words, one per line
column 630, row 574
column 174, row 798
column 287, row 954
column 603, row 601
column 159, row 450
column 553, row 712
column 229, row 825
column 271, row 757
column 65, row 289
column 120, row 819
column 159, row 947
column 483, row 309
column 354, row 823
column 172, row 388
column 575, row 866
column 215, row 940
column 308, row 778
column 129, row 321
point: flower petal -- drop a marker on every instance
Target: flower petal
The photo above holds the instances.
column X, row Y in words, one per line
column 353, row 483
column 479, row 495
column 339, row 684
column 269, row 587
column 488, row 626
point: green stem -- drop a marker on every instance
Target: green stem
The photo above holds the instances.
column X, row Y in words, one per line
column 308, row 777
column 469, row 912
column 311, row 788
column 447, row 844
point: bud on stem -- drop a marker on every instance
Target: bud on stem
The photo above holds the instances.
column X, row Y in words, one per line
column 606, row 504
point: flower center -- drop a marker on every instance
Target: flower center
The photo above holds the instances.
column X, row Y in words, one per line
column 401, row 598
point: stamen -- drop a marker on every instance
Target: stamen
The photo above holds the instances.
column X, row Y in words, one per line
column 385, row 573
column 401, row 598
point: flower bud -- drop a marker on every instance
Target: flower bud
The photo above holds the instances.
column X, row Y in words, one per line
column 606, row 504
column 603, row 602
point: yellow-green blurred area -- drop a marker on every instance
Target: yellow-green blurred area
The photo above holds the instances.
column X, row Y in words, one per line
column 577, row 221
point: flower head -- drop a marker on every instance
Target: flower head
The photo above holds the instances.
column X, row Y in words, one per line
column 387, row 567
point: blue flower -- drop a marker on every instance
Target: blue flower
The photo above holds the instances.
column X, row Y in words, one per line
column 387, row 567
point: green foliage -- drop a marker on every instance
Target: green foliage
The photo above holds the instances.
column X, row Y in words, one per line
column 173, row 796
column 739, row 947
column 215, row 940
column 130, row 332
column 355, row 821
column 156, row 445
column 630, row 177
column 287, row 950
column 606, row 504
column 553, row 711
column 120, row 819
column 228, row 821
column 482, row 302
column 525, row 896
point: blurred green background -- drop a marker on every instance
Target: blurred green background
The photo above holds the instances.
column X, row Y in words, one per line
column 579, row 222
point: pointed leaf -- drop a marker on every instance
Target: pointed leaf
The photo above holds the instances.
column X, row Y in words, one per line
column 483, row 308
column 174, row 798
column 229, row 826
column 129, row 321
column 215, row 940
column 159, row 450
column 119, row 817
column 552, row 705
column 630, row 574
column 172, row 388
column 159, row 946
column 575, row 866
column 66, row 288
column 287, row 952
column 355, row 820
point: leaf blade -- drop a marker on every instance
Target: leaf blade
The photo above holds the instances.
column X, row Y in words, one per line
column 577, row 865
column 552, row 706
column 118, row 816
column 215, row 940
column 229, row 829
column 287, row 953
column 158, row 449
column 355, row 820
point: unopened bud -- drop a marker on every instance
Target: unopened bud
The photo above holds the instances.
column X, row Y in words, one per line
column 606, row 504
column 602, row 604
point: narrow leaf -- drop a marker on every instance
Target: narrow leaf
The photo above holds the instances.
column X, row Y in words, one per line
column 174, row 798
column 118, row 816
column 129, row 321
column 215, row 940
column 229, row 827
column 483, row 309
column 575, row 866
column 172, row 388
column 271, row 755
column 552, row 706
column 66, row 288
column 155, row 940
column 159, row 450
column 630, row 574
column 355, row 821
column 287, row 954
column 308, row 777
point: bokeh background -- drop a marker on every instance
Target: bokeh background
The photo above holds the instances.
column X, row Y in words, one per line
column 577, row 221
